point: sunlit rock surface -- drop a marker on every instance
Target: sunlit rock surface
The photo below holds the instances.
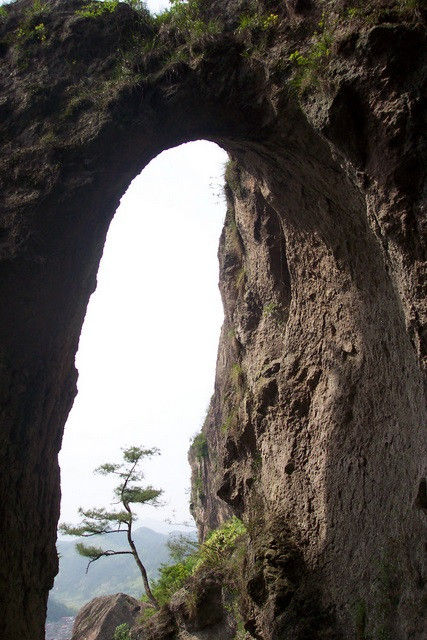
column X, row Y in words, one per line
column 100, row 617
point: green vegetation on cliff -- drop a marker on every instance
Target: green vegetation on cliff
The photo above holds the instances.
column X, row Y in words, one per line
column 220, row 552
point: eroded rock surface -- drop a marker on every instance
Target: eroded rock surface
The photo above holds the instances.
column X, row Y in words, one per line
column 316, row 431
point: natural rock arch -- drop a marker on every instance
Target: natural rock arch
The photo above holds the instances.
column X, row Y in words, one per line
column 327, row 186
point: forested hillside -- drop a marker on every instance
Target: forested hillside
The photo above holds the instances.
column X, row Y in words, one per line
column 74, row 587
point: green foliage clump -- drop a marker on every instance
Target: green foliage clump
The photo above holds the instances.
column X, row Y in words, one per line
column 36, row 33
column 3, row 14
column 95, row 8
column 232, row 176
column 269, row 309
column 37, row 8
column 240, row 279
column 33, row 28
column 371, row 13
column 309, row 64
column 186, row 18
column 354, row 12
column 257, row 22
column 231, row 333
column 218, row 547
column 181, row 547
column 198, row 486
column 137, row 5
column 255, row 30
column 172, row 577
column 122, row 632
column 256, row 463
column 200, row 446
column 215, row 553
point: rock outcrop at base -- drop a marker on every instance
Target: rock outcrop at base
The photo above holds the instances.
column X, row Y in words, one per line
column 100, row 617
column 316, row 433
column 198, row 611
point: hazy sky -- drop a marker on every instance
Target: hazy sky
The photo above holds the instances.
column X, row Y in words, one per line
column 147, row 352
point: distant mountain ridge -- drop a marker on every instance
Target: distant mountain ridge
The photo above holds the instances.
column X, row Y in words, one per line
column 74, row 587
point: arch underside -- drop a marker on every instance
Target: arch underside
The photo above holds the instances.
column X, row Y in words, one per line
column 320, row 267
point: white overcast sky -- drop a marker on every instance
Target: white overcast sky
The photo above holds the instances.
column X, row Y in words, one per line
column 147, row 352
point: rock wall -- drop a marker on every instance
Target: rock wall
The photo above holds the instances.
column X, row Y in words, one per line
column 316, row 431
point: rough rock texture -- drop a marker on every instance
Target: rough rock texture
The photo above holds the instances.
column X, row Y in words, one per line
column 198, row 611
column 98, row 619
column 316, row 432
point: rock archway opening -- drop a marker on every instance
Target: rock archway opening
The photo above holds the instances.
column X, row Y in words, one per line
column 147, row 352
column 146, row 359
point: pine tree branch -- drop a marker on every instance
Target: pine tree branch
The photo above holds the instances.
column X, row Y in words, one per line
column 108, row 552
column 101, row 532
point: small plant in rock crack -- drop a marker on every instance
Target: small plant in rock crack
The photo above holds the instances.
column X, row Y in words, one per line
column 270, row 309
column 199, row 486
column 100, row 521
column 240, row 279
column 257, row 21
column 122, row 632
column 199, row 446
column 230, row 421
column 237, row 374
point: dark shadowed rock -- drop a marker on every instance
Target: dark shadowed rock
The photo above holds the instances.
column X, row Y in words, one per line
column 200, row 604
column 161, row 626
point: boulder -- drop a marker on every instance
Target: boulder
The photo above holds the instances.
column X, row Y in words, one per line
column 199, row 604
column 161, row 626
column 195, row 612
column 98, row 619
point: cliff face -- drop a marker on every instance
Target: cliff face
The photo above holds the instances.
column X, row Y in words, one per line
column 316, row 430
column 298, row 442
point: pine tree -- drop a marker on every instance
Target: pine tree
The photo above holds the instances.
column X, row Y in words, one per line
column 100, row 521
